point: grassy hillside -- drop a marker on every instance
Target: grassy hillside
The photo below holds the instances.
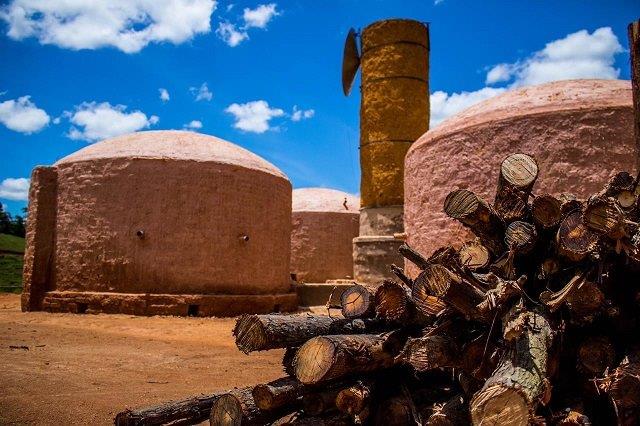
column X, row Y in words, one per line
column 11, row 264
column 11, row 243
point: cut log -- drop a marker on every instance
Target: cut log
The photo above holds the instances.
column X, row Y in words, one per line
column 574, row 240
column 454, row 412
column 604, row 216
column 413, row 256
column 585, row 302
column 287, row 361
column 520, row 237
column 555, row 300
column 393, row 302
column 498, row 298
column 330, row 357
column 263, row 332
column 357, row 301
column 474, row 256
column 548, row 268
column 192, row 410
column 278, row 393
column 321, row 401
column 623, row 385
column 519, row 383
column 426, row 303
column 396, row 411
column 399, row 272
column 355, row 400
column 518, row 173
column 477, row 215
column 546, row 211
column 569, row 203
column 238, row 408
column 450, row 288
column 596, row 354
column 430, row 352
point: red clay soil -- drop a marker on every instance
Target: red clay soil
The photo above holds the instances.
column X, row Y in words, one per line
column 83, row 369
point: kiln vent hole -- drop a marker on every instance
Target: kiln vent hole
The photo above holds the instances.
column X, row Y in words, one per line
column 192, row 310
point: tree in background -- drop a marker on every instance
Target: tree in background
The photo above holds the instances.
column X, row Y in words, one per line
column 12, row 226
column 5, row 221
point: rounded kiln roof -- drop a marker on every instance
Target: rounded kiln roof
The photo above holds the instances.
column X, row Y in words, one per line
column 173, row 145
column 324, row 200
column 563, row 95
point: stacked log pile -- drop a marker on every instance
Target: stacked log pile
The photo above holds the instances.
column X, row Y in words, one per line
column 533, row 322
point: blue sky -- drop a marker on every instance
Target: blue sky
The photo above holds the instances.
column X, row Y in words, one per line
column 239, row 68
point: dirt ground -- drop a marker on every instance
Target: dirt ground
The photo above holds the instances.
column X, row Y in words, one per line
column 83, row 369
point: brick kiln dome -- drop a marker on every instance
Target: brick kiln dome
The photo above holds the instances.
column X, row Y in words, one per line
column 161, row 222
column 322, row 234
column 580, row 132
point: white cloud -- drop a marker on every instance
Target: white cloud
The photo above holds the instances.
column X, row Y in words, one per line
column 578, row 55
column 444, row 105
column 22, row 115
column 201, row 93
column 128, row 25
column 193, row 125
column 299, row 114
column 229, row 7
column 230, row 34
column 260, row 16
column 102, row 120
column 14, row 189
column 164, row 95
column 253, row 116
column 437, row 2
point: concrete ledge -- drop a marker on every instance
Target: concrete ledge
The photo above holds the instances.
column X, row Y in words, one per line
column 372, row 257
column 205, row 305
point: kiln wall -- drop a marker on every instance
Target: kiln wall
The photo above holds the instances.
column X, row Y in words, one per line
column 580, row 132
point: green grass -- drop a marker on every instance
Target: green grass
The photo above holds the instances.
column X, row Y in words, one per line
column 10, row 273
column 11, row 243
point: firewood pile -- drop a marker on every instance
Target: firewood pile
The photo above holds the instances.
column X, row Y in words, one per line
column 535, row 321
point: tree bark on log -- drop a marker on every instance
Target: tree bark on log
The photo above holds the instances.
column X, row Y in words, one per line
column 330, row 357
column 413, row 256
column 263, row 332
column 354, row 400
column 278, row 393
column 330, row 420
column 511, row 395
column 238, row 408
column 474, row 213
column 187, row 411
column 603, row 215
column 454, row 412
column 474, row 256
column 358, row 302
column 520, row 237
column 321, row 400
column 518, row 173
column 595, row 355
column 574, row 240
column 430, row 352
column 399, row 272
column 546, row 211
column 393, row 302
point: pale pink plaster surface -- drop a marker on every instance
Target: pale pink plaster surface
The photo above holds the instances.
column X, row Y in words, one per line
column 580, row 132
column 194, row 196
column 322, row 234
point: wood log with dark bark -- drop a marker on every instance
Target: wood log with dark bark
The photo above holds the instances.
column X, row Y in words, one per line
column 520, row 237
column 358, row 301
column 546, row 211
column 398, row 410
column 399, row 272
column 354, row 400
column 334, row 419
column 192, row 410
column 322, row 400
column 454, row 412
column 238, row 408
column 519, row 383
column 596, row 354
column 426, row 303
column 476, row 214
column 575, row 240
column 393, row 302
column 278, row 393
column 431, row 352
column 263, row 332
column 518, row 173
column 413, row 256
column 330, row 357
column 474, row 255
column 604, row 216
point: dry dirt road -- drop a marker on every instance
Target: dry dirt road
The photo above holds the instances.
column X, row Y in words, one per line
column 83, row 369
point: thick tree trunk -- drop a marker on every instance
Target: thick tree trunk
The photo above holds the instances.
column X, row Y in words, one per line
column 278, row 393
column 358, row 302
column 510, row 396
column 518, row 173
column 477, row 215
column 454, row 412
column 187, row 411
column 546, row 211
column 238, row 408
column 330, row 357
column 263, row 332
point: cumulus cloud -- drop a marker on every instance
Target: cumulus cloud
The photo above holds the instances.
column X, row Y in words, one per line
column 260, row 16
column 164, row 95
column 230, row 34
column 22, row 115
column 577, row 55
column 253, row 116
column 128, row 25
column 201, row 93
column 94, row 121
column 193, row 125
column 14, row 189
column 299, row 114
